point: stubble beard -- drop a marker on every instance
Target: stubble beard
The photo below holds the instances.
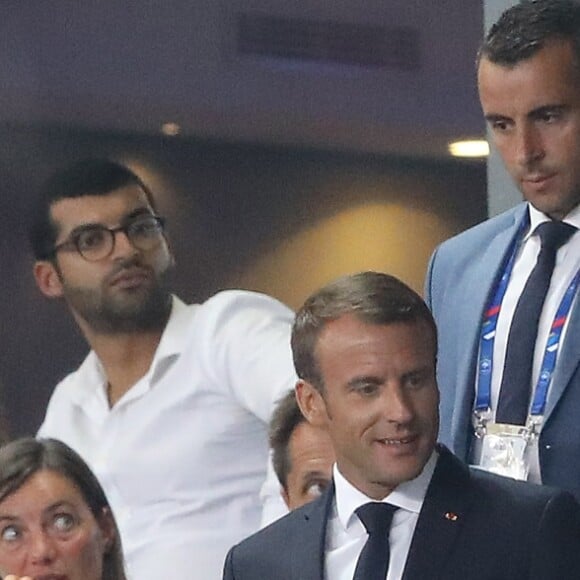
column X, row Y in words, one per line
column 145, row 309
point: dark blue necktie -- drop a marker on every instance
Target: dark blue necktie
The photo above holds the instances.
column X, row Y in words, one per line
column 515, row 391
column 373, row 561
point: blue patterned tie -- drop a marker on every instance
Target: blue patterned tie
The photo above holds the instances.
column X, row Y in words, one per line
column 373, row 561
column 515, row 391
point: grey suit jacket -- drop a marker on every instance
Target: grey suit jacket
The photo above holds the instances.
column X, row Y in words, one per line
column 462, row 274
column 503, row 530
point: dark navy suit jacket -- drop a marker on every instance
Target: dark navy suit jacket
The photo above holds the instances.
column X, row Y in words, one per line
column 473, row 526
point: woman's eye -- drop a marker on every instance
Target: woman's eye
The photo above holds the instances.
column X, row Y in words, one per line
column 63, row 522
column 10, row 533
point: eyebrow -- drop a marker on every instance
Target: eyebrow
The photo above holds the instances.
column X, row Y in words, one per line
column 51, row 508
column 60, row 503
column 424, row 370
column 316, row 473
column 547, row 109
column 137, row 212
column 364, row 380
column 491, row 117
column 533, row 114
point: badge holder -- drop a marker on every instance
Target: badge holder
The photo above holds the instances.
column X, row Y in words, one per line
column 504, row 450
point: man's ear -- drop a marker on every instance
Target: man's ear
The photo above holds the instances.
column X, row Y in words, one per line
column 311, row 403
column 285, row 496
column 47, row 278
column 169, row 245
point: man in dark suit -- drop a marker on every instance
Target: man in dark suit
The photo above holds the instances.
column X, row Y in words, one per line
column 478, row 282
column 364, row 348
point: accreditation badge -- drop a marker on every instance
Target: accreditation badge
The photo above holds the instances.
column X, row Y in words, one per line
column 504, row 449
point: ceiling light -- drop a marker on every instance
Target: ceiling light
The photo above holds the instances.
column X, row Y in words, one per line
column 473, row 148
column 170, row 129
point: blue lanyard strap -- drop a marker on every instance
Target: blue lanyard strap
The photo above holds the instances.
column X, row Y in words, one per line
column 488, row 332
column 489, row 325
column 552, row 347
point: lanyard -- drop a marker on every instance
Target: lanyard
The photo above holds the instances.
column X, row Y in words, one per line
column 488, row 331
column 552, row 347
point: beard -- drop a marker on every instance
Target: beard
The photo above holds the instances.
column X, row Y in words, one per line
column 143, row 309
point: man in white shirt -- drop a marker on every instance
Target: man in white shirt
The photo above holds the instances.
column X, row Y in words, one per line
column 482, row 284
column 170, row 407
column 364, row 348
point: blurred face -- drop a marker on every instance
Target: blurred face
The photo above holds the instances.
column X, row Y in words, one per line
column 47, row 532
column 380, row 400
column 124, row 291
column 311, row 459
column 533, row 111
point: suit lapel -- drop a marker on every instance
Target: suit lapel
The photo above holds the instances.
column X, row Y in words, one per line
column 442, row 516
column 308, row 561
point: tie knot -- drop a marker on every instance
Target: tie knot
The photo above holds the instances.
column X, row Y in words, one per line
column 554, row 234
column 376, row 516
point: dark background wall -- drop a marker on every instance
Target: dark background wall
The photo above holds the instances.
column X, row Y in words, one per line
column 274, row 219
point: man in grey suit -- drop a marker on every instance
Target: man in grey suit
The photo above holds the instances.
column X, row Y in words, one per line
column 478, row 283
column 364, row 348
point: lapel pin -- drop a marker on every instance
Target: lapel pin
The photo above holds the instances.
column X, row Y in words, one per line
column 452, row 517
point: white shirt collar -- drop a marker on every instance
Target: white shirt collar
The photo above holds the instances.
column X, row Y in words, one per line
column 172, row 342
column 537, row 218
column 170, row 347
column 408, row 496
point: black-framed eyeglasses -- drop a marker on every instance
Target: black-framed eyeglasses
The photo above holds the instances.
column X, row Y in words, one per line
column 95, row 242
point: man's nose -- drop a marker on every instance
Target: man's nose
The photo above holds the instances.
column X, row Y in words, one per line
column 397, row 405
column 528, row 145
column 122, row 245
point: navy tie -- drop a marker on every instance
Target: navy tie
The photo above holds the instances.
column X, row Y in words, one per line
column 515, row 391
column 373, row 561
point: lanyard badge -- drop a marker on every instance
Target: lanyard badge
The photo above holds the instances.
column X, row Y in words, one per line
column 504, row 447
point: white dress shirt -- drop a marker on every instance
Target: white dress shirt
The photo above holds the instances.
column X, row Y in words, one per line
column 567, row 264
column 182, row 455
column 346, row 534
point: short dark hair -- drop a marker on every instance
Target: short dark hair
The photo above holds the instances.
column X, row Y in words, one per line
column 373, row 297
column 525, row 28
column 22, row 458
column 87, row 177
column 286, row 417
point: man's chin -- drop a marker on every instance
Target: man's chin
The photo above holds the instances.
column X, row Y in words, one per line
column 396, row 475
column 133, row 313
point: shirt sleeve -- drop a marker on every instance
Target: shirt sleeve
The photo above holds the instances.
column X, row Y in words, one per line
column 248, row 337
column 57, row 412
